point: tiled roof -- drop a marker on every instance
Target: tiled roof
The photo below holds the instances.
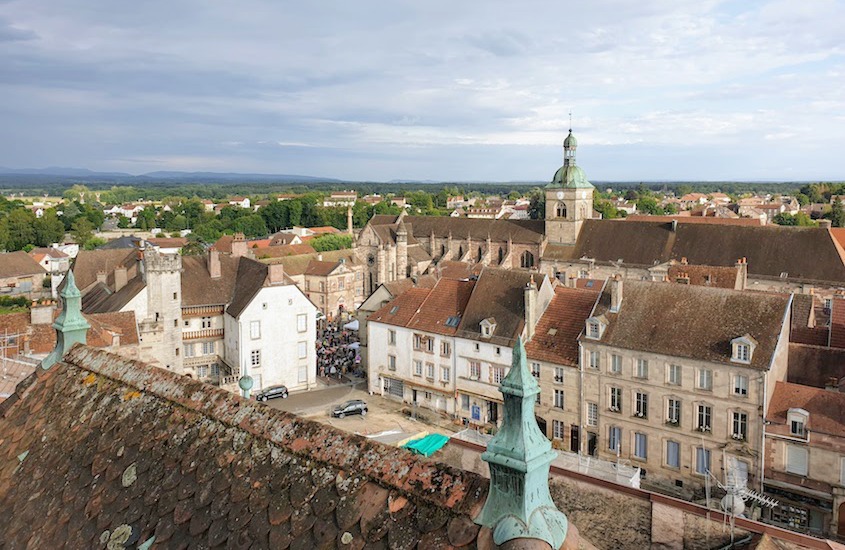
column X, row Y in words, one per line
column 282, row 250
column 696, row 322
column 320, row 268
column 101, row 299
column 169, row 242
column 41, row 338
column 19, row 264
column 556, row 334
column 104, row 450
column 89, row 262
column 837, row 323
column 815, row 365
column 48, row 251
column 697, row 219
column 250, row 279
column 401, row 309
column 521, row 231
column 399, row 286
column 802, row 331
column 826, row 407
column 771, row 250
column 199, row 289
column 498, row 293
column 458, row 270
column 705, row 275
column 448, row 299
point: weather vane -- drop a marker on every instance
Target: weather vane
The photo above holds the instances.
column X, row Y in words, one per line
column 570, row 120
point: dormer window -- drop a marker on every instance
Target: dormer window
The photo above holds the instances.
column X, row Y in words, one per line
column 797, row 421
column 742, row 349
column 595, row 327
column 488, row 327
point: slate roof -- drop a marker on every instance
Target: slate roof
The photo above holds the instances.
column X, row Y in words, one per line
column 199, row 289
column 556, row 334
column 100, row 450
column 521, row 231
column 826, row 408
column 692, row 321
column 498, row 293
column 19, row 264
column 127, row 241
column 250, row 279
column 807, row 253
column 815, row 365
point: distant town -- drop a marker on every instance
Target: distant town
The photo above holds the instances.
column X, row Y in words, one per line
column 685, row 341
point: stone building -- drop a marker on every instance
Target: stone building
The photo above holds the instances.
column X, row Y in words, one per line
column 21, row 275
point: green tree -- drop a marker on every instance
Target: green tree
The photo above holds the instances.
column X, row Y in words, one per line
column 123, row 222
column 295, row 212
column 537, row 204
column 82, row 231
column 837, row 214
column 146, row 219
column 276, row 215
column 331, row 241
column 649, row 205
column 49, row 229
column 251, row 226
column 21, row 228
column 94, row 242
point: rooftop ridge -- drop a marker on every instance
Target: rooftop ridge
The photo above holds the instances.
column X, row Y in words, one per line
column 395, row 468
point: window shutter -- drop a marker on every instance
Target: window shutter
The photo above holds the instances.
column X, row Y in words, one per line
column 796, row 460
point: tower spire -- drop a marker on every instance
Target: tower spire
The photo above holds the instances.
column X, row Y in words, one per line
column 71, row 327
column 518, row 503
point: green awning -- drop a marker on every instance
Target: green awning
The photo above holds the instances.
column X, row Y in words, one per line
column 427, row 445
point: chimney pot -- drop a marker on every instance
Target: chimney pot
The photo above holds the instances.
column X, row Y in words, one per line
column 276, row 273
column 615, row 293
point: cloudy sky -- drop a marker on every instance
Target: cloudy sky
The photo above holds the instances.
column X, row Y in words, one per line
column 442, row 90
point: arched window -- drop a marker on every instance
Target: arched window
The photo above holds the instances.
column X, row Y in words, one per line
column 478, row 258
column 560, row 212
column 501, row 255
column 526, row 260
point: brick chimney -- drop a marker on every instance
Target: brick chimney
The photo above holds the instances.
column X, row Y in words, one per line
column 682, row 278
column 120, row 278
column 832, row 384
column 530, row 308
column 41, row 313
column 615, row 293
column 102, row 276
column 276, row 274
column 742, row 276
column 239, row 246
column 213, row 261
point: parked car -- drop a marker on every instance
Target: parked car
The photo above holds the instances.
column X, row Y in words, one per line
column 355, row 406
column 272, row 392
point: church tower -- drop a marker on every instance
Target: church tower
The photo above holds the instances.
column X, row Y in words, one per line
column 569, row 198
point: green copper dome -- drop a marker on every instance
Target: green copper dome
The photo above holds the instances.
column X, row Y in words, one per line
column 570, row 140
column 570, row 176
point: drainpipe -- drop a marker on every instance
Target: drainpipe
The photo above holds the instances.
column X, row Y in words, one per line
column 580, row 397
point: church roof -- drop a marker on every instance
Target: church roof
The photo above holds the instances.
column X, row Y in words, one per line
column 521, row 231
column 103, row 451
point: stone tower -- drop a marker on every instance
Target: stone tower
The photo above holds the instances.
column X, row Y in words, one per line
column 519, row 504
column 162, row 328
column 569, row 198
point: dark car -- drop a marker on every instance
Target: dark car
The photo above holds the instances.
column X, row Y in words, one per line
column 355, row 406
column 272, row 392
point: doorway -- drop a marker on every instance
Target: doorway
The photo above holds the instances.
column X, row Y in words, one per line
column 574, row 439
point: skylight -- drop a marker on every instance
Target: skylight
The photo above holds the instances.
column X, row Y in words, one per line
column 453, row 321
column 394, row 309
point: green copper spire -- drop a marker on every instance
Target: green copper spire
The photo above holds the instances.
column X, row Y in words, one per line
column 71, row 327
column 519, row 504
column 569, row 175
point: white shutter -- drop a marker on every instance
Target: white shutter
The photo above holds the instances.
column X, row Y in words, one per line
column 797, row 459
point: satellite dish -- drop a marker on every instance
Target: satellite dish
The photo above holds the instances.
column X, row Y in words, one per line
column 732, row 504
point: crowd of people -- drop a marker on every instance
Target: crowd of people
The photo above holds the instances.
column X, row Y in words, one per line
column 337, row 352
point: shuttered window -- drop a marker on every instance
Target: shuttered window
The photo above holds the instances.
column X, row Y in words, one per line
column 797, row 459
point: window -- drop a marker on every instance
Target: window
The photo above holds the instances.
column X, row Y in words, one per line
column 302, row 374
column 616, row 364
column 341, row 284
column 740, row 385
column 301, row 322
column 842, row 471
column 796, row 427
column 702, row 460
column 322, row 286
column 498, row 375
column 445, row 374
column 418, row 341
column 465, row 402
column 557, row 429
column 614, row 439
column 391, row 362
column 175, row 322
column 559, row 399
column 498, row 350
column 189, row 350
column 641, row 405
column 797, row 459
column 477, row 346
column 673, row 411
column 255, row 358
column 705, row 414
column 417, row 367
column 474, row 370
column 429, row 371
column 559, row 375
column 175, row 296
column 202, row 371
column 739, row 426
column 642, row 368
column 592, row 414
column 594, row 359
column 705, row 379
column 615, row 399
column 302, row 350
column 205, row 322
column 391, row 337
column 535, row 370
column 208, row 348
column 640, row 446
column 673, row 454
column 445, row 349
column 743, row 352
column 429, row 345
column 674, row 377
column 593, row 329
column 255, row 330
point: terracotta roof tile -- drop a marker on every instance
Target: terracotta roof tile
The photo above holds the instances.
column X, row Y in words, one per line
column 815, row 365
column 837, row 323
column 19, row 264
column 556, row 334
column 320, row 268
column 401, row 309
column 705, row 275
column 200, row 289
column 498, row 293
column 520, row 231
column 115, row 451
column 89, row 262
column 826, row 407
column 448, row 299
column 697, row 219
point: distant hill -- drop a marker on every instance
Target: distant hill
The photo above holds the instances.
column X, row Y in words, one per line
column 75, row 175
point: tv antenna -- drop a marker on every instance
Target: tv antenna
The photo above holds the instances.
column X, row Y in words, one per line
column 737, row 492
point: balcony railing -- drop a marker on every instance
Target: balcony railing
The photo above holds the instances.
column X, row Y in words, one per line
column 201, row 311
column 206, row 333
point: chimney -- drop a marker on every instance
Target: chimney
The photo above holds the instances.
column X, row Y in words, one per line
column 276, row 273
column 742, row 276
column 615, row 293
column 41, row 313
column 825, row 224
column 349, row 220
column 239, row 246
column 319, row 257
column 684, row 261
column 102, row 276
column 832, row 384
column 530, row 308
column 120, row 277
column 214, row 263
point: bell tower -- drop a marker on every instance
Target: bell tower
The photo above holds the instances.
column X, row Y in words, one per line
column 569, row 198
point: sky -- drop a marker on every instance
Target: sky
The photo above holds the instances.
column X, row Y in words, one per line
column 436, row 90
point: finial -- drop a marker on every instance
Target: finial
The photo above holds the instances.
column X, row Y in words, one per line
column 570, row 121
column 71, row 327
